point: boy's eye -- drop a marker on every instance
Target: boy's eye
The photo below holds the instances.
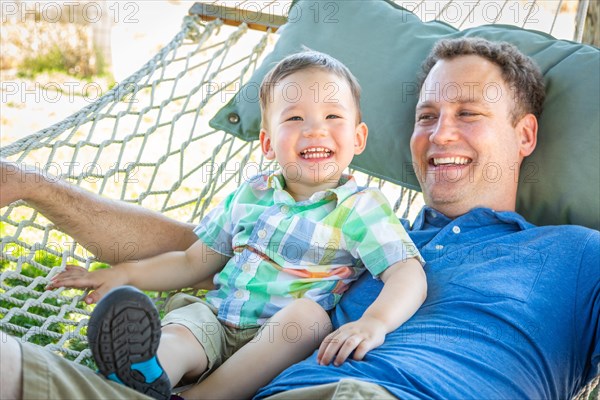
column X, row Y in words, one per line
column 294, row 118
column 332, row 116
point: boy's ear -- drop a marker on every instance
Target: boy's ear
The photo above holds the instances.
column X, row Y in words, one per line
column 360, row 138
column 265, row 145
column 527, row 129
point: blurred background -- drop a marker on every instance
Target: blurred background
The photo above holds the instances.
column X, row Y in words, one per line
column 58, row 56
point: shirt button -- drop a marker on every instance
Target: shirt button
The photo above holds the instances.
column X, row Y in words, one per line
column 284, row 209
column 439, row 246
column 262, row 234
column 456, row 229
column 239, row 294
column 433, row 214
column 246, row 267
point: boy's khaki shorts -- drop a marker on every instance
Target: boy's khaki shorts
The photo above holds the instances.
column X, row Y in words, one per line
column 219, row 341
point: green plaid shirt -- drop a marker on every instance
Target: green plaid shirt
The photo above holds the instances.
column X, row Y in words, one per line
column 282, row 250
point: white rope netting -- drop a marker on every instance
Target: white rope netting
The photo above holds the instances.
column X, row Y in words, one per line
column 147, row 142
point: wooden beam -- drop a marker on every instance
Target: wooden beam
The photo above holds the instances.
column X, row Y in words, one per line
column 236, row 16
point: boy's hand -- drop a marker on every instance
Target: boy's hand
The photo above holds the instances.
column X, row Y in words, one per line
column 100, row 281
column 360, row 336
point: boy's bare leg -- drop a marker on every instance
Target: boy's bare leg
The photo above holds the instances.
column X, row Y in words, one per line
column 290, row 336
column 180, row 354
column 11, row 368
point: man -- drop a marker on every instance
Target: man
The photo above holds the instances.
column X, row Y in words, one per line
column 513, row 310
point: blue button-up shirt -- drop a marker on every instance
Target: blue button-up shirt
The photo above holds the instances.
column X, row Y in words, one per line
column 513, row 311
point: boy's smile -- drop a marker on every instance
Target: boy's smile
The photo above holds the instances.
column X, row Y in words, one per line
column 316, row 153
column 312, row 130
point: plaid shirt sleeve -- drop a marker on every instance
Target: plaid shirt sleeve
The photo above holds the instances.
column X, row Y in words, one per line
column 374, row 234
column 216, row 229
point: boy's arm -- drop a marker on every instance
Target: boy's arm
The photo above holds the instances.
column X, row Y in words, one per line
column 168, row 271
column 404, row 291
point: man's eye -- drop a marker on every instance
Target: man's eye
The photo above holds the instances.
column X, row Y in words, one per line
column 468, row 114
column 425, row 117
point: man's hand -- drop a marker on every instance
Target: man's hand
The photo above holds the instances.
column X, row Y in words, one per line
column 360, row 336
column 100, row 281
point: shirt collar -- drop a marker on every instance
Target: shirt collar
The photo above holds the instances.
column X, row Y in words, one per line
column 484, row 216
column 275, row 181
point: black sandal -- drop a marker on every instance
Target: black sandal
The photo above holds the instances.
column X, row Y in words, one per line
column 124, row 333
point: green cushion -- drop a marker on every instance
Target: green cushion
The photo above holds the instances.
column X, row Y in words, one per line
column 384, row 45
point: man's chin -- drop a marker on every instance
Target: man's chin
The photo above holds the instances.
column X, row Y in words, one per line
column 442, row 198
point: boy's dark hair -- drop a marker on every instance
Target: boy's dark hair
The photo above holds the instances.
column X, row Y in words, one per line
column 308, row 59
column 520, row 73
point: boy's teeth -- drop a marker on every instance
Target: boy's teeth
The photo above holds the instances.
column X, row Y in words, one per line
column 450, row 160
column 316, row 152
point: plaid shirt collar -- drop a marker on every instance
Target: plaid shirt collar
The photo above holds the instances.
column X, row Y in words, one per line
column 275, row 181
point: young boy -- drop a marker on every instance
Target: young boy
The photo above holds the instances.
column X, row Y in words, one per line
column 284, row 246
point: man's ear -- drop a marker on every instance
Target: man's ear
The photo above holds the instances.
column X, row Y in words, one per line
column 527, row 129
column 360, row 138
column 265, row 145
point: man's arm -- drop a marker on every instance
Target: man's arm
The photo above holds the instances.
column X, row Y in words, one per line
column 113, row 231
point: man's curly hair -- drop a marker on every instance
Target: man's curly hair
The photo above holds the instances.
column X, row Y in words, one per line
column 520, row 72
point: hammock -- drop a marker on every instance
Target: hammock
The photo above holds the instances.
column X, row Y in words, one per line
column 148, row 142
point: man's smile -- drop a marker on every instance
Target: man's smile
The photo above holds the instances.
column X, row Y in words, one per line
column 437, row 161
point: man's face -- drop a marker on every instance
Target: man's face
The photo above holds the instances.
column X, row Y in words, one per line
column 466, row 151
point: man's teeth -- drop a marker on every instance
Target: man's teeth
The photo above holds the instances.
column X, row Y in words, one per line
column 450, row 160
column 315, row 152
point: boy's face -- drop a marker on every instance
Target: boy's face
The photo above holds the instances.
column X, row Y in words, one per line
column 312, row 130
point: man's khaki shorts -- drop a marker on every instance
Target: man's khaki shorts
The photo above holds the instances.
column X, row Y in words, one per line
column 49, row 376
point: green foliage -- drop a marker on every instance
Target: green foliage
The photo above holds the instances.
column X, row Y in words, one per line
column 47, row 259
column 98, row 265
column 51, row 60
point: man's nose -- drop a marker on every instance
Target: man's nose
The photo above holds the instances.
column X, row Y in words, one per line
column 445, row 130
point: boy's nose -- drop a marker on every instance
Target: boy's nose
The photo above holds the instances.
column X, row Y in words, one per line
column 315, row 129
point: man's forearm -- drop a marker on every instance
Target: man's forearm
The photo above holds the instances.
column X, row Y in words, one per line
column 113, row 231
